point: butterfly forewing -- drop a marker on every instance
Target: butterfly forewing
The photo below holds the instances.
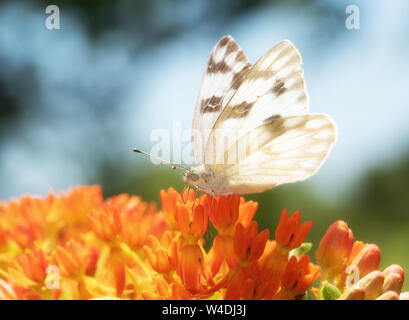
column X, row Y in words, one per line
column 273, row 87
column 226, row 67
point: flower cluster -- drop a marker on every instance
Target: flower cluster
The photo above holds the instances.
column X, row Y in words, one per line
column 80, row 246
column 350, row 269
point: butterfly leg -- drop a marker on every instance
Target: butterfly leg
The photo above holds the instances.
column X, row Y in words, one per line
column 211, row 206
column 187, row 193
column 194, row 201
column 231, row 198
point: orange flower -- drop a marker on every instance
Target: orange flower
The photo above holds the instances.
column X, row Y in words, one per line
column 137, row 214
column 166, row 291
column 23, row 221
column 272, row 266
column 298, row 277
column 77, row 259
column 186, row 214
column 257, row 279
column 72, row 208
column 225, row 213
column 229, row 210
column 105, row 223
column 33, row 265
column 222, row 254
column 67, row 215
column 123, row 247
column 162, row 255
column 289, row 233
column 244, row 283
column 248, row 243
column 7, row 292
column 192, row 269
column 120, row 216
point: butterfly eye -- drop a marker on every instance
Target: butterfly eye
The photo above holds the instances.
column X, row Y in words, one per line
column 194, row 176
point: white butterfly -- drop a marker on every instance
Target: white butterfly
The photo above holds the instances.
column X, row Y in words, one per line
column 251, row 128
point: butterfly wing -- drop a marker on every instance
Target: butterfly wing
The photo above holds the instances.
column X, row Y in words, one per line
column 273, row 87
column 265, row 136
column 226, row 67
column 279, row 151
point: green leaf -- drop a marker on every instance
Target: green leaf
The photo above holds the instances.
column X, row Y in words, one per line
column 302, row 249
column 329, row 291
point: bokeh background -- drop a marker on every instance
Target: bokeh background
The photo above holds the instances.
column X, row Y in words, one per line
column 75, row 101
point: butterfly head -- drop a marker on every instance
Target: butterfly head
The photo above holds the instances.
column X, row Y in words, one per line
column 204, row 179
column 192, row 177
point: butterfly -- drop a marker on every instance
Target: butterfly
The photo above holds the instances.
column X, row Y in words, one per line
column 252, row 129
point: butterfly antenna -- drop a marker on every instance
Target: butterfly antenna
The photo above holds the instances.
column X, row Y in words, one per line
column 174, row 166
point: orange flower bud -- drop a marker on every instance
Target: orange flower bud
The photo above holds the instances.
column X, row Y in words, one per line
column 356, row 248
column 373, row 284
column 353, row 293
column 389, row 295
column 394, row 277
column 367, row 260
column 334, row 248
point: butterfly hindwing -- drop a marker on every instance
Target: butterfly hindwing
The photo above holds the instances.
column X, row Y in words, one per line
column 282, row 150
column 226, row 67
